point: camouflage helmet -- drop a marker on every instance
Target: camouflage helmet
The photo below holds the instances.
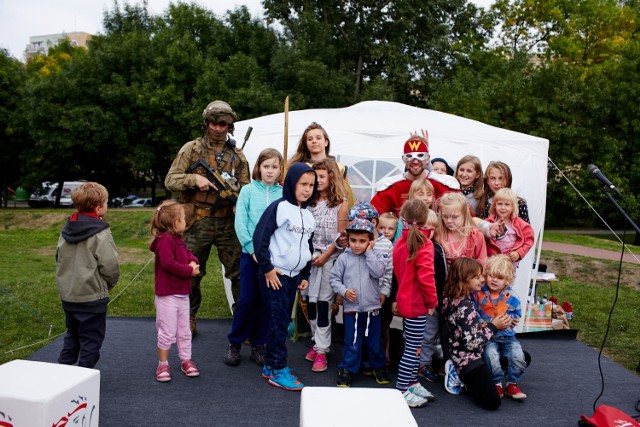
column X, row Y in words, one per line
column 363, row 210
column 360, row 224
column 219, row 111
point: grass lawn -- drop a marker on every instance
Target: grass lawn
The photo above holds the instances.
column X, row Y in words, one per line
column 32, row 315
column 31, row 310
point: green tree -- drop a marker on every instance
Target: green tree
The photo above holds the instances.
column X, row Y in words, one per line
column 12, row 139
column 402, row 45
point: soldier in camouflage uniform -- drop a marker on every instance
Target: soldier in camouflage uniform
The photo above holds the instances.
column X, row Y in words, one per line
column 209, row 216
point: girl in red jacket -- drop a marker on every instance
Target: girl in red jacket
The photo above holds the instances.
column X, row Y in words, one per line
column 416, row 298
column 518, row 239
column 174, row 267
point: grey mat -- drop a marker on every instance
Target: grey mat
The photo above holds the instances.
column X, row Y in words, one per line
column 561, row 383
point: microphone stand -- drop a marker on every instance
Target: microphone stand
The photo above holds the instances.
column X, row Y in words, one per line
column 605, row 189
column 622, row 212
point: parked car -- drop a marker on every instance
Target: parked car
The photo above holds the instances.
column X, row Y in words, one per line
column 45, row 196
column 120, row 202
column 65, row 201
column 139, row 203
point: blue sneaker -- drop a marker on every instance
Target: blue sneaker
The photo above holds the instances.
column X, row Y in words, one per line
column 283, row 378
column 267, row 372
column 451, row 380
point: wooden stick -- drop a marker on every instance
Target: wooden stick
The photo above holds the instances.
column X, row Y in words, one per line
column 286, row 132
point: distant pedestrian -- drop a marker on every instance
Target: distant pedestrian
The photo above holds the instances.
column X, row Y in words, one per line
column 86, row 270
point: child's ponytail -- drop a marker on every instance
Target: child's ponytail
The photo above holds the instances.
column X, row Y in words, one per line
column 165, row 216
column 414, row 214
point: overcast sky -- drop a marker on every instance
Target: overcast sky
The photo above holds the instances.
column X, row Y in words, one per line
column 21, row 19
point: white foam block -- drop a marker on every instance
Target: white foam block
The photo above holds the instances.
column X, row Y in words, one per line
column 349, row 407
column 36, row 394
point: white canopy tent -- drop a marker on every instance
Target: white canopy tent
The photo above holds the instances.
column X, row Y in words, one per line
column 368, row 138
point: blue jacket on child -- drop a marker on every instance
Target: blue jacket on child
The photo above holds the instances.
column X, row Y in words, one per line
column 283, row 236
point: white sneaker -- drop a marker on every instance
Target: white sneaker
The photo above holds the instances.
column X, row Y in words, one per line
column 413, row 400
column 419, row 390
column 451, row 380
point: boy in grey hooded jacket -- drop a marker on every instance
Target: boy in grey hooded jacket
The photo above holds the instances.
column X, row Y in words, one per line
column 86, row 270
column 355, row 275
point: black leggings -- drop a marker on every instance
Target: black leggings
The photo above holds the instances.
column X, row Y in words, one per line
column 480, row 386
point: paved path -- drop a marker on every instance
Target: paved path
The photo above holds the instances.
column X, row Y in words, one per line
column 567, row 248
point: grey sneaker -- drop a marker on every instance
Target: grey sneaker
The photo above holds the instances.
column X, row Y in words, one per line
column 419, row 390
column 232, row 355
column 413, row 400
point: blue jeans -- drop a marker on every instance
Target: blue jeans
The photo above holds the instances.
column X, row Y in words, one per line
column 251, row 317
column 509, row 347
column 280, row 303
column 355, row 326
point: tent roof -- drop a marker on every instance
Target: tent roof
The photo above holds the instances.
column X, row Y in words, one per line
column 388, row 124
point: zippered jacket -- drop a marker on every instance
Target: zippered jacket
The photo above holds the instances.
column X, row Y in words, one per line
column 283, row 236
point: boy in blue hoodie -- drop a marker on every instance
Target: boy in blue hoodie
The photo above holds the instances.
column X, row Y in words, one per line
column 283, row 246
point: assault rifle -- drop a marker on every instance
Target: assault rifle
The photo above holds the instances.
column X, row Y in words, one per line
column 227, row 188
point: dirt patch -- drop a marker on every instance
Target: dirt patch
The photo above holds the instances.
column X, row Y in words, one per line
column 133, row 255
column 35, row 220
column 591, row 270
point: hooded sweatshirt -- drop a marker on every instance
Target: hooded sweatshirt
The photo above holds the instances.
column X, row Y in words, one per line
column 283, row 236
column 86, row 264
column 362, row 273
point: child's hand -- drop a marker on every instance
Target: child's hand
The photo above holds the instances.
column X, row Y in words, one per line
column 303, row 284
column 383, row 298
column 351, row 295
column 320, row 260
column 514, row 256
column 394, row 308
column 515, row 321
column 195, row 268
column 342, row 241
column 272, row 279
column 371, row 244
column 497, row 229
column 502, row 321
column 430, row 311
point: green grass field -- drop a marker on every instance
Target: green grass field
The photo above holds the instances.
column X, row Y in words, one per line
column 32, row 316
column 31, row 311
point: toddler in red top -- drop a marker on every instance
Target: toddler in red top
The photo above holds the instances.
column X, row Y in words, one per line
column 174, row 267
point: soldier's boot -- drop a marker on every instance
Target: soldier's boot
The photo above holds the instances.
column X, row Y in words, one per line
column 193, row 322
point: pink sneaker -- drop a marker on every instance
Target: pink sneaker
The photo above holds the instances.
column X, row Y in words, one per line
column 311, row 355
column 320, row 364
column 189, row 368
column 163, row 373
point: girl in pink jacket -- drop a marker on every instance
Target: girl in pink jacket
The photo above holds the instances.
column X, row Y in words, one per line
column 519, row 237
